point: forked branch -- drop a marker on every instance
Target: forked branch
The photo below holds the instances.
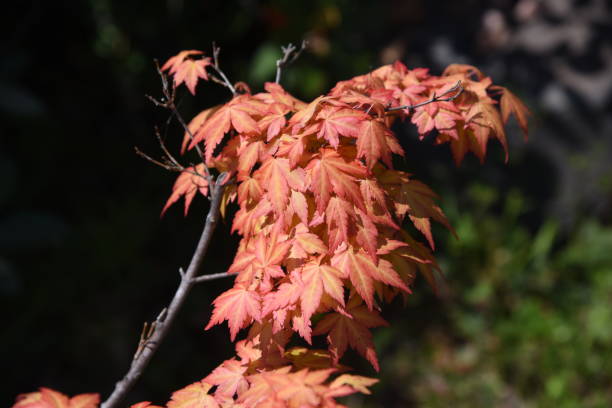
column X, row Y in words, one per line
column 168, row 101
column 290, row 54
column 221, row 79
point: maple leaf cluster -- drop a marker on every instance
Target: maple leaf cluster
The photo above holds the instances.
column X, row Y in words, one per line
column 324, row 217
column 246, row 381
column 48, row 398
column 323, row 214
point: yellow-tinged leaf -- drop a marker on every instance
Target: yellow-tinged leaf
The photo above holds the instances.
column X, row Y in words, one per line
column 48, row 398
column 306, row 243
column 193, row 396
column 358, row 382
column 331, row 173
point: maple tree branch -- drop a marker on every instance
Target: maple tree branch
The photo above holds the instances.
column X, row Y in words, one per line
column 153, row 334
column 215, row 65
column 447, row 96
column 165, row 150
column 290, row 54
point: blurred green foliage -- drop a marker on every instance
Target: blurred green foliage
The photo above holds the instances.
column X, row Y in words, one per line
column 523, row 319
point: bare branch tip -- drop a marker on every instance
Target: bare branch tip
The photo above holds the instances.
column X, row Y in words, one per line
column 290, row 54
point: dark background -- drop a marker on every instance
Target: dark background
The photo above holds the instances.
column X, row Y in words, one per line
column 525, row 315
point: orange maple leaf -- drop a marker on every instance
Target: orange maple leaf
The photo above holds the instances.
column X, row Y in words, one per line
column 336, row 122
column 229, row 378
column 306, row 243
column 193, row 396
column 186, row 69
column 239, row 306
column 48, row 398
column 144, row 404
column 329, row 173
column 275, row 174
column 273, row 120
column 340, row 219
column 363, row 271
column 438, row 115
column 317, row 277
column 349, row 327
column 195, row 124
column 237, row 114
column 187, row 184
column 372, row 143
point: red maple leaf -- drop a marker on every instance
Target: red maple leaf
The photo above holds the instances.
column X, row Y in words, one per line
column 349, row 327
column 363, row 271
column 510, row 104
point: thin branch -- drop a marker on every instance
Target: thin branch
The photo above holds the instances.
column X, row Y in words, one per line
column 212, row 276
column 447, row 96
column 155, row 334
column 215, row 65
column 168, row 102
column 167, row 165
column 290, row 54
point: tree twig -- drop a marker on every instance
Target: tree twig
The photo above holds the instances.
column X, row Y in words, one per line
column 212, row 276
column 169, row 166
column 152, row 336
column 447, row 96
column 290, row 54
column 168, row 102
column 215, row 65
